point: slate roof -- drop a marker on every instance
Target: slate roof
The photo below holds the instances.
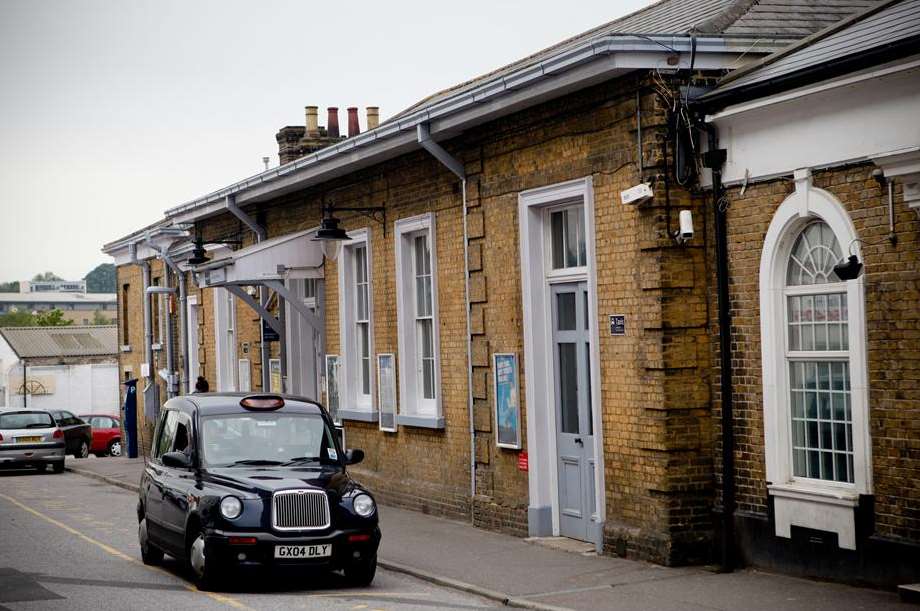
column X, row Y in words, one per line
column 757, row 19
column 889, row 25
column 39, row 342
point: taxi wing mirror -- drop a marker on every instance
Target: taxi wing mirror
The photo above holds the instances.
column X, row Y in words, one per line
column 353, row 457
column 177, row 460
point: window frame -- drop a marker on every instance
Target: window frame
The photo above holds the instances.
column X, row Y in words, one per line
column 813, row 503
column 354, row 404
column 414, row 410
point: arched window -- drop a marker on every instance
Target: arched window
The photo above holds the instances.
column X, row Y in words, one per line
column 817, row 358
column 813, row 352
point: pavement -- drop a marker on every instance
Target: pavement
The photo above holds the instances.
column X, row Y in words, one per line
column 547, row 574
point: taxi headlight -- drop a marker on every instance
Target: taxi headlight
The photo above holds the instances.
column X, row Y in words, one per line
column 231, row 507
column 364, row 505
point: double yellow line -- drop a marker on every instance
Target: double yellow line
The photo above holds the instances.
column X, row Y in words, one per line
column 227, row 600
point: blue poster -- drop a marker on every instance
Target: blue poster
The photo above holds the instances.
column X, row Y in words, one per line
column 507, row 402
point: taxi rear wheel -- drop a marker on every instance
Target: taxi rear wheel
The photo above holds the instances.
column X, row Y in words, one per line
column 361, row 572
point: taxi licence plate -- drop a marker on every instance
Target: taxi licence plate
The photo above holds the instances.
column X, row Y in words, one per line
column 297, row 552
column 32, row 439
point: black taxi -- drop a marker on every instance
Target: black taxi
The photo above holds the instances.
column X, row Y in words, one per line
column 239, row 481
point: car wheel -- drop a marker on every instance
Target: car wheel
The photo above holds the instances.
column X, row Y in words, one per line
column 361, row 572
column 115, row 448
column 149, row 554
column 82, row 450
column 205, row 571
column 58, row 467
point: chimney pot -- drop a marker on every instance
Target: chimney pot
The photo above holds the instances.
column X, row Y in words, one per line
column 332, row 123
column 312, row 121
column 373, row 117
column 353, row 128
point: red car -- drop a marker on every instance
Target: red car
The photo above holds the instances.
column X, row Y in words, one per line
column 106, row 435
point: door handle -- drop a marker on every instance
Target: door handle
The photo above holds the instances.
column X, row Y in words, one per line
column 579, row 441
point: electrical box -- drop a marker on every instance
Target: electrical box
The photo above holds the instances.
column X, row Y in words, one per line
column 145, row 370
column 634, row 196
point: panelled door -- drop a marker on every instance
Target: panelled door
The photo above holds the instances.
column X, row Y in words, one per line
column 574, row 428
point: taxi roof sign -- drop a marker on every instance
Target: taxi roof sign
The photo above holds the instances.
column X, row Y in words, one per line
column 262, row 402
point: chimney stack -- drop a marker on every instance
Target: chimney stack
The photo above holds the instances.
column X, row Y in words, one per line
column 353, row 128
column 332, row 123
column 312, row 121
column 373, row 117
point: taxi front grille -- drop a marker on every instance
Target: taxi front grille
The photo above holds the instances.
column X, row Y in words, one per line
column 300, row 510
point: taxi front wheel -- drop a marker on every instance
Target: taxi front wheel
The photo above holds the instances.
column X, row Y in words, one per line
column 204, row 570
column 361, row 572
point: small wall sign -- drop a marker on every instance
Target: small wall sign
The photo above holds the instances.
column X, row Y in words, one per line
column 617, row 324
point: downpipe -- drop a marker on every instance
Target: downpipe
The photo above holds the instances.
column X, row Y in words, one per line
column 715, row 159
column 456, row 167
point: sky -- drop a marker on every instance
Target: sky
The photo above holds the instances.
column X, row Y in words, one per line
column 112, row 111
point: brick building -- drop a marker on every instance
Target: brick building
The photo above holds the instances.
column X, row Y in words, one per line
column 486, row 237
column 822, row 163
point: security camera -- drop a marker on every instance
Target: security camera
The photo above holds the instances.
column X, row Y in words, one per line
column 686, row 226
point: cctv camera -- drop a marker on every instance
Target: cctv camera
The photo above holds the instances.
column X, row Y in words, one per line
column 686, row 226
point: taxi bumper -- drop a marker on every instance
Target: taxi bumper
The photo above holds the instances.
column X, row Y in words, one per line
column 236, row 549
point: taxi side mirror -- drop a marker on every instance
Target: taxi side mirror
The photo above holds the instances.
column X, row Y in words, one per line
column 177, row 460
column 353, row 457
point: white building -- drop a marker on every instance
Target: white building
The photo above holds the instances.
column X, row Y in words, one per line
column 73, row 368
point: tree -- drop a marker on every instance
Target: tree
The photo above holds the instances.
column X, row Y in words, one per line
column 17, row 319
column 9, row 287
column 46, row 277
column 101, row 319
column 101, row 279
column 52, row 318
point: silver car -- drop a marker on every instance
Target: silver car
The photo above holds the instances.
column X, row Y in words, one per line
column 30, row 438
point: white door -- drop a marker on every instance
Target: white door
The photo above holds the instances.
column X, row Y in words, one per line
column 574, row 428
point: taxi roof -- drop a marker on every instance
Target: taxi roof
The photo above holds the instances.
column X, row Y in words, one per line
column 229, row 403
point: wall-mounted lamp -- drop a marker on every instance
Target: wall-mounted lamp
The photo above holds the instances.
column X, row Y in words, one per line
column 849, row 269
column 332, row 236
column 199, row 254
column 852, row 267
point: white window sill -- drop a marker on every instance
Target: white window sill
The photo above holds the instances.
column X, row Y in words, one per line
column 825, row 508
column 126, row 348
column 427, row 422
column 358, row 415
column 829, row 495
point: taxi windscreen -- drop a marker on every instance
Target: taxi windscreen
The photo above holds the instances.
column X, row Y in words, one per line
column 239, row 440
column 26, row 420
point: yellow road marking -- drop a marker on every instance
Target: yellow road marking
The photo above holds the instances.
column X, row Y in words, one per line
column 227, row 600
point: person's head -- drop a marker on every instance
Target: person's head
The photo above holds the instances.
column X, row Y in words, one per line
column 201, row 385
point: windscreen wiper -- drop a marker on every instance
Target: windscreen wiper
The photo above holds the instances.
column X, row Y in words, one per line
column 300, row 460
column 256, row 462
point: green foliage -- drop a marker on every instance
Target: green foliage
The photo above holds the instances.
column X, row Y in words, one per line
column 9, row 287
column 17, row 319
column 52, row 318
column 101, row 279
column 46, row 277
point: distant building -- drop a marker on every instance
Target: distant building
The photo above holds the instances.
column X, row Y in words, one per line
column 73, row 368
column 52, row 286
column 80, row 308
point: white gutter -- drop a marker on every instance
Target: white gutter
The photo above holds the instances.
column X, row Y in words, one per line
column 572, row 68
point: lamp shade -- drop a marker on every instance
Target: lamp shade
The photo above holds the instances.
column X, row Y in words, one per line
column 332, row 236
column 850, row 270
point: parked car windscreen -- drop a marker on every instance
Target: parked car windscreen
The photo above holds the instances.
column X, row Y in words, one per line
column 26, row 420
column 238, row 440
